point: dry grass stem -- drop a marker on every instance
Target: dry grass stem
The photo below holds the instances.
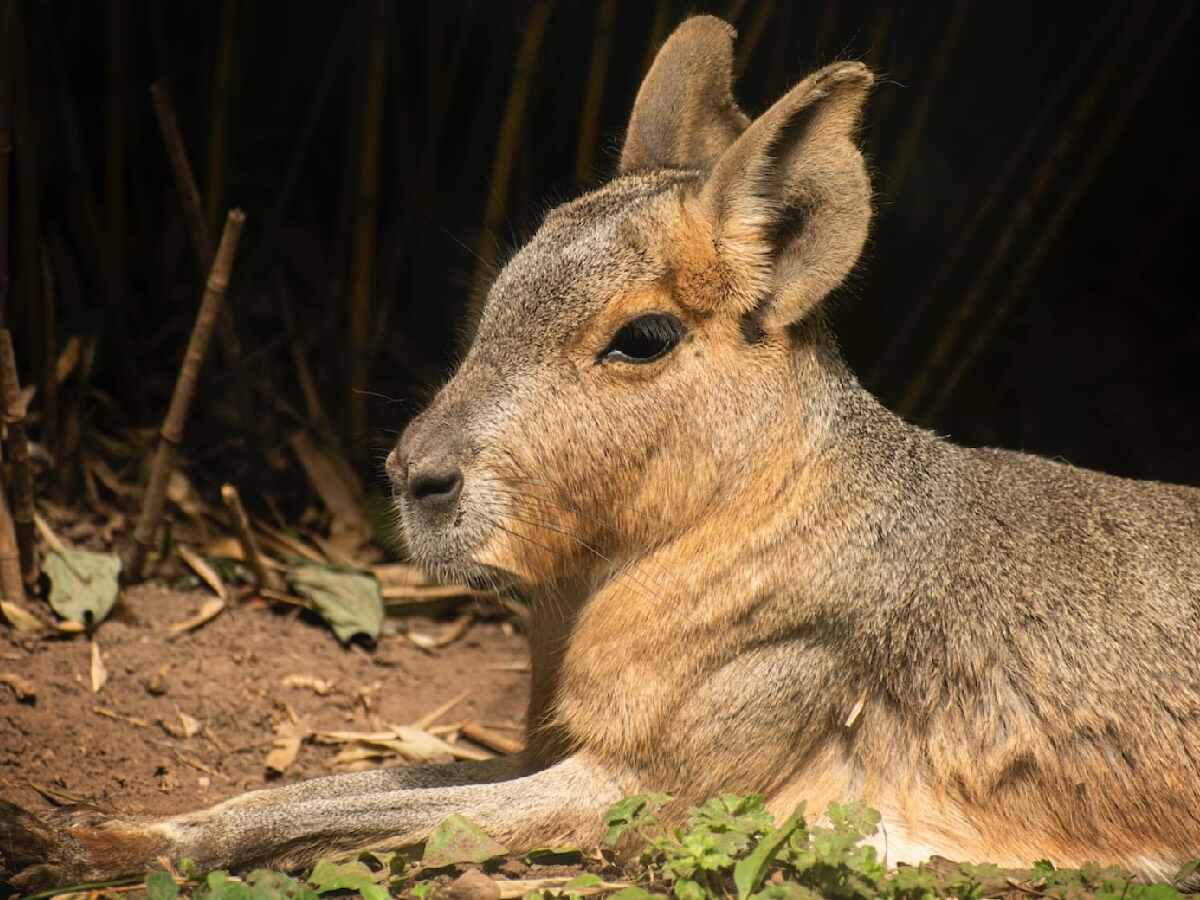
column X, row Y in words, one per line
column 245, row 536
column 18, row 454
column 171, row 434
column 585, row 154
column 366, row 214
column 506, row 142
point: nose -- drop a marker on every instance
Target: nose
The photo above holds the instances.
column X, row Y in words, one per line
column 435, row 484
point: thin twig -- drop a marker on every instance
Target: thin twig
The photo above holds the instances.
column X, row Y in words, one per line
column 585, row 153
column 490, row 739
column 197, row 227
column 241, row 524
column 762, row 13
column 1000, row 187
column 114, row 155
column 185, row 386
column 7, row 78
column 219, row 113
column 1098, row 151
column 11, row 587
column 506, row 142
column 1050, row 165
column 18, row 454
column 365, row 216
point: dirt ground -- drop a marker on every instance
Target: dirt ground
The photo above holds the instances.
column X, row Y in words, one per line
column 125, row 748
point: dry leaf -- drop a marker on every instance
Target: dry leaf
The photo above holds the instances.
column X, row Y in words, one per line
column 319, row 686
column 22, row 687
column 206, row 572
column 99, row 673
column 189, row 725
column 20, row 618
column 224, row 548
column 336, row 484
column 210, row 610
column 282, row 754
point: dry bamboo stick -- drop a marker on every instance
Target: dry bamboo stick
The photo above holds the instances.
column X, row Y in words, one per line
column 219, row 112
column 1069, row 132
column 197, row 226
column 114, row 155
column 762, row 13
column 7, row 77
column 585, row 154
column 241, row 524
column 506, row 143
column 48, row 331
column 490, row 739
column 658, row 33
column 185, row 181
column 916, row 123
column 1097, row 154
column 12, row 588
column 29, row 266
column 171, row 434
column 366, row 214
column 1000, row 187
column 18, row 454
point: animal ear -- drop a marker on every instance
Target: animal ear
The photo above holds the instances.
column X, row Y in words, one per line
column 790, row 200
column 685, row 115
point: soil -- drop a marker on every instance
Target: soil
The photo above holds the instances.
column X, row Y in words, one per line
column 124, row 747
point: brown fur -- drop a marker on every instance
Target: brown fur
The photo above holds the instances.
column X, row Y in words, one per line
column 746, row 575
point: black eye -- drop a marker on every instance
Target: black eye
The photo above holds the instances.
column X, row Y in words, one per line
column 643, row 339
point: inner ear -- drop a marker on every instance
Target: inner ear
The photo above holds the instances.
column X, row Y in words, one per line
column 685, row 115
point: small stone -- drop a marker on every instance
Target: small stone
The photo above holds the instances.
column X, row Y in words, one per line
column 473, row 885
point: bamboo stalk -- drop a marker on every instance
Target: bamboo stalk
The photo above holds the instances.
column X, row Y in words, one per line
column 29, row 267
column 241, row 524
column 171, row 435
column 585, row 154
column 365, row 219
column 114, row 156
column 506, row 143
column 308, row 385
column 49, row 333
column 185, row 181
column 12, row 588
column 999, row 188
column 7, row 78
column 911, row 140
column 1098, row 151
column 1023, row 209
column 18, row 452
column 658, row 33
column 762, row 13
column 219, row 114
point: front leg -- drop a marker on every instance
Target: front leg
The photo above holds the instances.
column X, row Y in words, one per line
column 295, row 825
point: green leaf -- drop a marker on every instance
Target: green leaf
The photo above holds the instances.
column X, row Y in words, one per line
column 686, row 889
column 349, row 601
column 632, row 813
column 586, row 880
column 161, row 886
column 349, row 876
column 459, row 840
column 749, row 873
column 266, row 884
column 423, row 890
column 82, row 584
column 634, row 893
column 560, row 854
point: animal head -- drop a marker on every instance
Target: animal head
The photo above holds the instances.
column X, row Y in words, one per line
column 633, row 359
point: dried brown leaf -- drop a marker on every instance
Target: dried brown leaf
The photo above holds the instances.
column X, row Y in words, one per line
column 20, row 618
column 98, row 671
column 207, row 573
column 209, row 611
column 22, row 687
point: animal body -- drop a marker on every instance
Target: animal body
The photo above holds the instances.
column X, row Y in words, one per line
column 745, row 574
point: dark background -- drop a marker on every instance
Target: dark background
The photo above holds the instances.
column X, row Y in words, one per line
column 1029, row 281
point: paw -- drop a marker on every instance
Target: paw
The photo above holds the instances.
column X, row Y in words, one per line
column 63, row 847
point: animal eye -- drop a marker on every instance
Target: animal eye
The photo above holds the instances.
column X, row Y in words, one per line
column 643, row 339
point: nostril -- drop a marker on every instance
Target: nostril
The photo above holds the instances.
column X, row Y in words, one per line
column 435, row 484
